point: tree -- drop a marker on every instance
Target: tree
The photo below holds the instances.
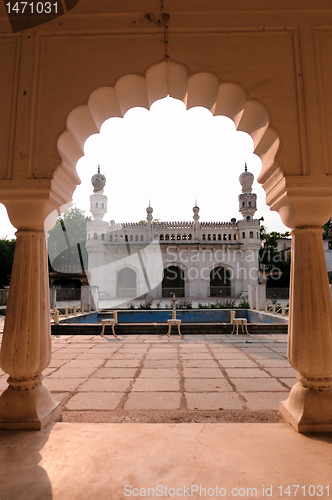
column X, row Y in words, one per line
column 270, row 255
column 7, row 249
column 66, row 242
column 327, row 234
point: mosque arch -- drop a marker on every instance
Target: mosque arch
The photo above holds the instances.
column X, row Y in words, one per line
column 220, row 282
column 173, row 281
column 126, row 283
column 173, row 79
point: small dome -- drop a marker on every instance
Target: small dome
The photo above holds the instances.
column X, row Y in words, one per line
column 149, row 210
column 98, row 181
column 246, row 180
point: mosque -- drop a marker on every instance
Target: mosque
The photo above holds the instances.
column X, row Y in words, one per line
column 154, row 259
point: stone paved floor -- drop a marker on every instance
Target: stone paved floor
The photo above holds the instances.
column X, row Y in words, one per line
column 155, row 373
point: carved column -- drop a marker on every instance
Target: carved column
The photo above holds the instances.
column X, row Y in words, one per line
column 26, row 344
column 309, row 406
column 304, row 204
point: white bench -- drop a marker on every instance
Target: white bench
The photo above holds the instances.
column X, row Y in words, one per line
column 238, row 321
column 109, row 321
column 171, row 322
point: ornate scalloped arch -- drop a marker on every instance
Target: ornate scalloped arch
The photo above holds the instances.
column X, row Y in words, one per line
column 161, row 80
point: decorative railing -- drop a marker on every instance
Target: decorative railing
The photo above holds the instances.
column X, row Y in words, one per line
column 218, row 225
column 277, row 309
column 129, row 225
column 172, row 225
column 245, row 223
column 65, row 268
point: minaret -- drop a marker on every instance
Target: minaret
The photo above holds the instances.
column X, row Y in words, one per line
column 149, row 212
column 98, row 201
column 196, row 214
column 97, row 234
column 196, row 220
column 149, row 217
column 248, row 231
column 247, row 200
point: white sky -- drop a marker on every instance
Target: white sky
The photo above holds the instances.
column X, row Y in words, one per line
column 172, row 157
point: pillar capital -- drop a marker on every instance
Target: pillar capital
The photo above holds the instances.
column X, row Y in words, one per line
column 300, row 200
column 34, row 203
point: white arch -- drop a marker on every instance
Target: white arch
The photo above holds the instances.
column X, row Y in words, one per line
column 173, row 79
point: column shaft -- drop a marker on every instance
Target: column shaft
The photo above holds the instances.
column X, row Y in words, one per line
column 26, row 345
column 309, row 406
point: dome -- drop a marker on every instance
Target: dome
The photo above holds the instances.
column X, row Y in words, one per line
column 246, row 180
column 98, row 181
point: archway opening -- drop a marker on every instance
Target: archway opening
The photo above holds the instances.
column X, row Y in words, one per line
column 126, row 283
column 220, row 102
column 171, row 79
column 220, row 282
column 173, row 282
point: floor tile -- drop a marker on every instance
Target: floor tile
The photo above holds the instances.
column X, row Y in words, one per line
column 159, row 373
column 207, row 385
column 156, row 384
column 213, row 401
column 246, row 373
column 264, row 400
column 115, row 373
column 256, row 384
column 153, row 401
column 202, row 372
column 94, row 401
column 106, row 384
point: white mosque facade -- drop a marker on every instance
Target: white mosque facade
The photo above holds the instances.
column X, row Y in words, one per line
column 194, row 260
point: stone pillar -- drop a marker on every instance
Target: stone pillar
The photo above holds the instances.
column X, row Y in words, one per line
column 309, row 406
column 53, row 297
column 94, row 297
column 26, row 345
column 252, row 296
column 260, row 297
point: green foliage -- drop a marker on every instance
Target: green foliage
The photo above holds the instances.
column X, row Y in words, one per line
column 66, row 242
column 269, row 255
column 243, row 305
column 7, row 249
column 224, row 304
column 184, row 304
column 147, row 304
column 327, row 229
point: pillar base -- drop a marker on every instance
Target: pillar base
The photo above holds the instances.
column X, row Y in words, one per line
column 31, row 409
column 308, row 410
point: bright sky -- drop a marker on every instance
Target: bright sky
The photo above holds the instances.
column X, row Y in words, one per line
column 172, row 157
